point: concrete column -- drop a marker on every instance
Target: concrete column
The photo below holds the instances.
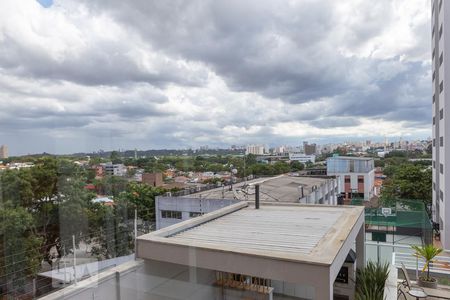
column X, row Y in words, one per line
column 117, row 283
column 360, row 248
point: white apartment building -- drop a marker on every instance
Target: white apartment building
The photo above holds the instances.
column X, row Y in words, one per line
column 281, row 189
column 441, row 112
column 238, row 252
column 255, row 149
column 173, row 210
column 302, row 157
column 115, row 169
column 356, row 176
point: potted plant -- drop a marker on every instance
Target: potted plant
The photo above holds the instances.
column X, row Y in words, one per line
column 370, row 281
column 428, row 253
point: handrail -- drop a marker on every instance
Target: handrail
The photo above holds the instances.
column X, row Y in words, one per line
column 382, row 244
column 440, row 265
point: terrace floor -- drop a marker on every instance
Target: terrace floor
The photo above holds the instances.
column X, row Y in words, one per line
column 444, row 292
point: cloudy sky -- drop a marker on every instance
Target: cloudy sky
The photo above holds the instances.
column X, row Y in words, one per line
column 83, row 75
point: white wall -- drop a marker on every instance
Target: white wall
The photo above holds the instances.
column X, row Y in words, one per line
column 186, row 205
column 369, row 182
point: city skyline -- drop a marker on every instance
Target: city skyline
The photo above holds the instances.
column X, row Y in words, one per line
column 76, row 76
column 391, row 144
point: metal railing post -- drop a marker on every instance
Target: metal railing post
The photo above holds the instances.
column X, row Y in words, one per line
column 74, row 260
column 417, row 267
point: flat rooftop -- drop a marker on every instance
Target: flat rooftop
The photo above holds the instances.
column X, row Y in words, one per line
column 310, row 234
column 283, row 188
column 351, row 158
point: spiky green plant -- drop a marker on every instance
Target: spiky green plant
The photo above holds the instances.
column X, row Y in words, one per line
column 370, row 281
column 428, row 253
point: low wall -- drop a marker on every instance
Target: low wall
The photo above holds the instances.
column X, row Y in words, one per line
column 390, row 287
column 117, row 283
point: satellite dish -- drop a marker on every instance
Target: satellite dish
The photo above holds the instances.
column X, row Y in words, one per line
column 234, row 171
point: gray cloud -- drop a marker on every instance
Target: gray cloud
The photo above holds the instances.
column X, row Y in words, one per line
column 185, row 73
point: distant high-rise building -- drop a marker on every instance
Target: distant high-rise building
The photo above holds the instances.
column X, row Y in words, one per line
column 255, row 149
column 441, row 117
column 309, row 149
column 3, row 151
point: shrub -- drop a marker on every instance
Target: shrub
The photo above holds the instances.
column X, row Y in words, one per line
column 370, row 281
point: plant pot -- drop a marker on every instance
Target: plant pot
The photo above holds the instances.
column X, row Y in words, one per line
column 427, row 284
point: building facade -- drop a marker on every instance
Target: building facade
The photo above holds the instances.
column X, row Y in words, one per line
column 302, row 157
column 153, row 179
column 356, row 176
column 173, row 210
column 4, row 152
column 309, row 149
column 441, row 122
column 114, row 169
column 275, row 252
column 255, row 149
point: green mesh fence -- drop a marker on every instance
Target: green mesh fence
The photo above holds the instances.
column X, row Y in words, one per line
column 407, row 218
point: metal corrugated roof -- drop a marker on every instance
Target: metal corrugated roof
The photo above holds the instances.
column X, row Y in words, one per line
column 281, row 188
column 274, row 229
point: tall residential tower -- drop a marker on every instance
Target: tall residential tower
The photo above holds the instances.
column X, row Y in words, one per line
column 441, row 116
column 4, row 151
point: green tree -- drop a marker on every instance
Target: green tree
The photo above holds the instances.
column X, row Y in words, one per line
column 281, row 167
column 19, row 247
column 16, row 188
column 297, row 166
column 380, row 163
column 115, row 157
column 111, row 232
column 142, row 197
column 111, row 185
column 408, row 182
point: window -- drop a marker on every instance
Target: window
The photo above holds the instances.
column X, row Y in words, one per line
column 352, row 166
column 171, row 214
column 433, row 54
column 441, row 141
column 441, row 168
column 441, row 114
column 360, row 179
column 434, row 120
column 434, row 166
column 194, row 214
column 440, row 32
column 441, row 59
column 441, row 195
column 441, row 87
column 432, row 33
column 440, row 5
column 434, row 75
column 434, row 142
column 434, row 99
column 347, row 179
column 434, row 186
